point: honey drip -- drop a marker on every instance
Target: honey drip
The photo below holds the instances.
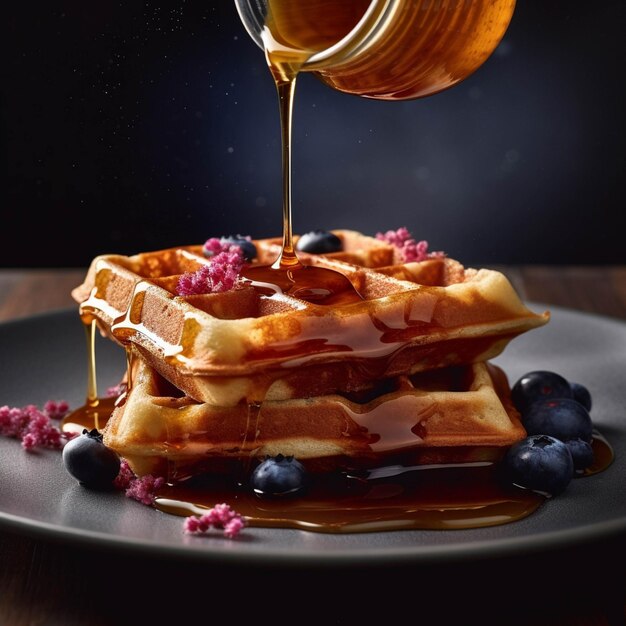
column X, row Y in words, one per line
column 248, row 439
column 96, row 410
column 602, row 455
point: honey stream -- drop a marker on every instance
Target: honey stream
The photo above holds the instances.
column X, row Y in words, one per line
column 288, row 274
column 96, row 410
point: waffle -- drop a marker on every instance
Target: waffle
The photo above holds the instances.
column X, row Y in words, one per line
column 240, row 346
column 454, row 414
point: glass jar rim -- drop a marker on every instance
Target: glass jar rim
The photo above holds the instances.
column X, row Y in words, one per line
column 353, row 43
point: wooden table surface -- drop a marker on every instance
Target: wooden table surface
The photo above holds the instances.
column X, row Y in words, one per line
column 49, row 583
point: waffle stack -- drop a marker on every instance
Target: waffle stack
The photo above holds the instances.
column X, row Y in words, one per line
column 223, row 377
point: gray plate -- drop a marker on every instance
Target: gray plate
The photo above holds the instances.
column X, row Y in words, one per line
column 43, row 357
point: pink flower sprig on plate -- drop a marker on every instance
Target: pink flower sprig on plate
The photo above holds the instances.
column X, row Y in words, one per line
column 34, row 426
column 143, row 489
column 221, row 274
column 410, row 249
column 220, row 516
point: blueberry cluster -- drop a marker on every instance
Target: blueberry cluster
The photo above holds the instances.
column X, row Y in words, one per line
column 556, row 415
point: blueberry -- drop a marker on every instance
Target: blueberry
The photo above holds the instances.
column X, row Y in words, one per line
column 279, row 476
column 582, row 453
column 319, row 242
column 539, row 385
column 581, row 394
column 539, row 462
column 89, row 461
column 563, row 418
column 247, row 247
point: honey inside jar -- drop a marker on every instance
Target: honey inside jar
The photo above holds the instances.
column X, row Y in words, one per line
column 404, row 49
column 308, row 27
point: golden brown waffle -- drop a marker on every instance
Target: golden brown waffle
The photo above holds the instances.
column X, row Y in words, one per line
column 239, row 345
column 456, row 414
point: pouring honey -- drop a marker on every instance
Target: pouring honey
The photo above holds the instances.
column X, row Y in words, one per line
column 384, row 49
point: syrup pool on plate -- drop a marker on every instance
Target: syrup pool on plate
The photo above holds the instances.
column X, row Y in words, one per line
column 397, row 497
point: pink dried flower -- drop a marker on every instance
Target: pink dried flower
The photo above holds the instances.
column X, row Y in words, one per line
column 221, row 274
column 145, row 488
column 33, row 426
column 56, row 410
column 12, row 421
column 234, row 527
column 214, row 246
column 220, row 516
column 410, row 250
column 142, row 489
column 124, row 477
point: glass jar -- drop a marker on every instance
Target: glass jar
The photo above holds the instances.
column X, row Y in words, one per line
column 384, row 49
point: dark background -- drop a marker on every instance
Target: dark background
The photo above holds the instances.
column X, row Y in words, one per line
column 130, row 126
